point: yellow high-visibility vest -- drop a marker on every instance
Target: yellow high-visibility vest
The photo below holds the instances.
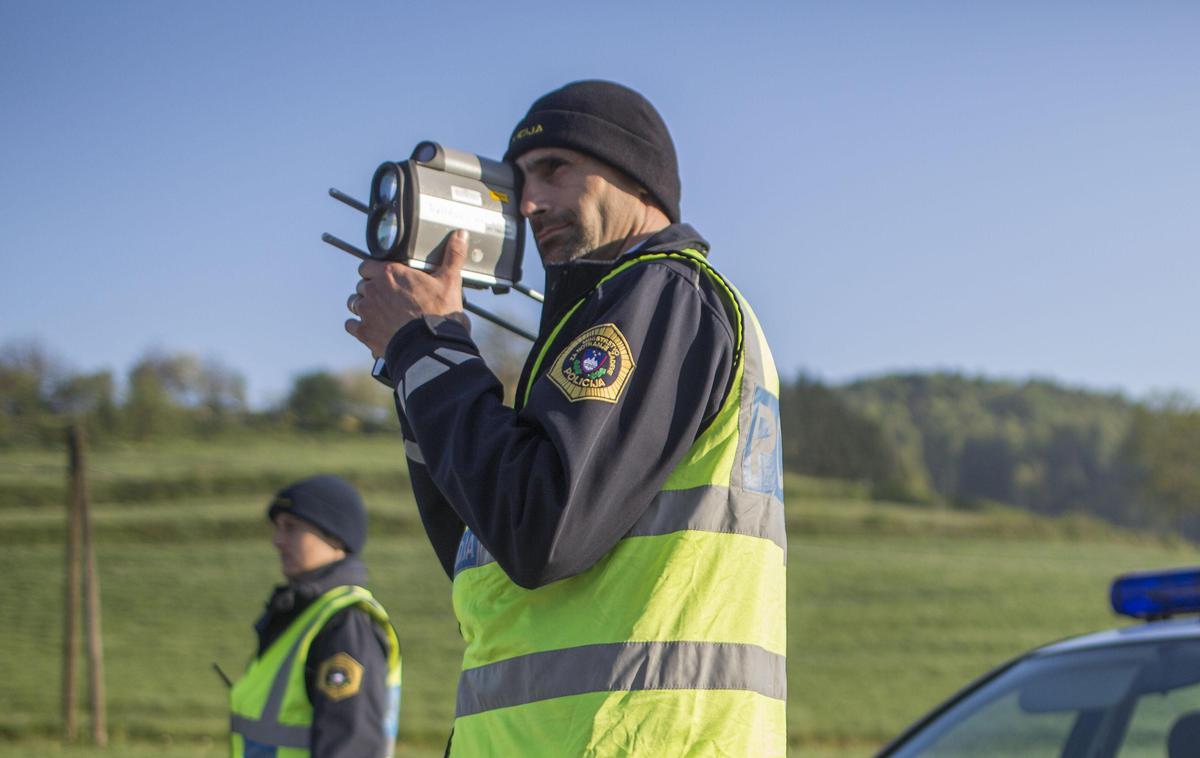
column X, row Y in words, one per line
column 674, row 643
column 270, row 713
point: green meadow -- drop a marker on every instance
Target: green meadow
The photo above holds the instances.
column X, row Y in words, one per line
column 891, row 607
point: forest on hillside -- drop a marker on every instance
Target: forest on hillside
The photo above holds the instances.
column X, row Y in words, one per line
column 950, row 439
column 941, row 439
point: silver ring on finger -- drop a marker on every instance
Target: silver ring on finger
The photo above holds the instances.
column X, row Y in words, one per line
column 352, row 303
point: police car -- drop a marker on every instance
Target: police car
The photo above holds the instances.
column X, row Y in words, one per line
column 1117, row 694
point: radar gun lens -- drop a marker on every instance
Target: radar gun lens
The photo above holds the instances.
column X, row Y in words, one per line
column 387, row 231
column 387, row 187
column 425, row 152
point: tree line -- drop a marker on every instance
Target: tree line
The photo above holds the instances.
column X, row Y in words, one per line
column 965, row 442
column 934, row 438
column 178, row 393
column 170, row 394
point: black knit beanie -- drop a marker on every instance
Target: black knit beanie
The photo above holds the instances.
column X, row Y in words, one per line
column 612, row 123
column 328, row 503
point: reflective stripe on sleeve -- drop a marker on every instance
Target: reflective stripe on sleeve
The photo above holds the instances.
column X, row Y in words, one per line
column 454, row 356
column 421, row 372
column 431, row 367
column 624, row 666
column 413, row 451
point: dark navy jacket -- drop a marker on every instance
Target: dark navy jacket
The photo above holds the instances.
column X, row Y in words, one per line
column 549, row 487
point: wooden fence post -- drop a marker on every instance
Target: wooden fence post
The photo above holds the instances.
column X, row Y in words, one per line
column 81, row 512
column 71, row 600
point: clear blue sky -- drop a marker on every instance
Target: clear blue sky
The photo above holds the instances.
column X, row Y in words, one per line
column 1006, row 189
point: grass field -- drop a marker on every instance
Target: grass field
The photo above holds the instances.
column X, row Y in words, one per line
column 890, row 607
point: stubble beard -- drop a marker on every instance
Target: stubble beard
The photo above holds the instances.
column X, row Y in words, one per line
column 573, row 241
column 575, row 247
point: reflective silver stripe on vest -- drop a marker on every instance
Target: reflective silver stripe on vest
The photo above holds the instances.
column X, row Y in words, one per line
column 701, row 509
column 279, row 735
column 712, row 509
column 622, row 666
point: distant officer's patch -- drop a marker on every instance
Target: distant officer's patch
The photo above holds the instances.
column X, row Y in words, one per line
column 339, row 677
column 595, row 366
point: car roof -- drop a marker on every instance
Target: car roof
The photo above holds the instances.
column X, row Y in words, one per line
column 1153, row 631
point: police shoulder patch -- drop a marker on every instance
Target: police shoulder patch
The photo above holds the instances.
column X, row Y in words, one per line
column 595, row 366
column 339, row 677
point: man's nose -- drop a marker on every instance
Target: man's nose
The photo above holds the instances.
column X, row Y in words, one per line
column 531, row 203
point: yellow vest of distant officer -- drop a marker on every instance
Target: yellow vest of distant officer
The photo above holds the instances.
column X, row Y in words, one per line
column 270, row 711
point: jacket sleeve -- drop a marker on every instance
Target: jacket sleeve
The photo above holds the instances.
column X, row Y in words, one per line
column 346, row 679
column 442, row 524
column 551, row 488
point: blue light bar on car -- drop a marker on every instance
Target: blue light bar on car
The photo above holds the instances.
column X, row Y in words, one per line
column 1157, row 594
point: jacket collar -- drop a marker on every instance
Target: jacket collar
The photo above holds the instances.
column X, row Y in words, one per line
column 567, row 282
column 313, row 584
column 289, row 600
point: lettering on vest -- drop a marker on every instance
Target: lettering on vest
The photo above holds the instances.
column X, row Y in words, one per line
column 471, row 553
column 762, row 460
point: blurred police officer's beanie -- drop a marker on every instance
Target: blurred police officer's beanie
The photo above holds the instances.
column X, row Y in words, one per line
column 610, row 122
column 328, row 503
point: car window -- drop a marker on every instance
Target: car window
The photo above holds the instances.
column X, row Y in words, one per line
column 1000, row 729
column 1154, row 717
column 1121, row 701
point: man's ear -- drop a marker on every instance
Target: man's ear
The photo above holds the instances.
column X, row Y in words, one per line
column 650, row 201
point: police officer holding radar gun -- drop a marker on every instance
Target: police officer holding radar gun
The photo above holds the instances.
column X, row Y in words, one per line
column 616, row 541
column 325, row 681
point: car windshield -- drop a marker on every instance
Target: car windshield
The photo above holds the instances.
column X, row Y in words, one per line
column 1119, row 701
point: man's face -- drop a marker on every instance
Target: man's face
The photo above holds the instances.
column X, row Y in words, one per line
column 301, row 545
column 575, row 203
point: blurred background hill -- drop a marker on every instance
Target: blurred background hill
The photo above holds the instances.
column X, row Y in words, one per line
column 939, row 439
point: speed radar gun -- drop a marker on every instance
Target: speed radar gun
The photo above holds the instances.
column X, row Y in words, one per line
column 416, row 204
